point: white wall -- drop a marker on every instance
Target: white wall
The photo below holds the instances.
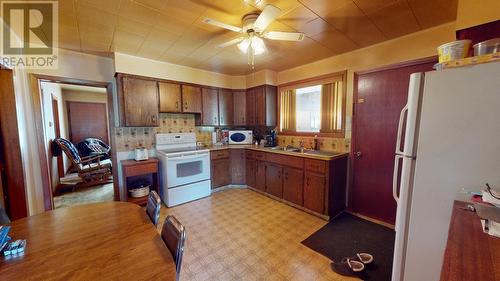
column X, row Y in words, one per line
column 163, row 70
column 50, row 90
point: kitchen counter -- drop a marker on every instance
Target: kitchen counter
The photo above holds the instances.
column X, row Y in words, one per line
column 319, row 155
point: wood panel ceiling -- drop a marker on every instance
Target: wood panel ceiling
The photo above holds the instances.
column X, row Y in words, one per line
column 173, row 31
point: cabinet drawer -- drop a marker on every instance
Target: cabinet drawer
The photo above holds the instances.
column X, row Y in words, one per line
column 219, row 154
column 318, row 166
column 249, row 154
column 136, row 170
column 285, row 160
column 260, row 155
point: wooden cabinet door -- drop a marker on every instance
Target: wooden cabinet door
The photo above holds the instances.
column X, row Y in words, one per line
column 293, row 186
column 250, row 106
column 260, row 175
column 191, row 99
column 271, row 93
column 240, row 110
column 210, row 113
column 220, row 173
column 274, row 180
column 314, row 192
column 250, row 172
column 226, row 107
column 170, row 97
column 140, row 102
column 238, row 166
column 260, row 106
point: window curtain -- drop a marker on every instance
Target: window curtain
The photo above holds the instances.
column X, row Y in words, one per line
column 331, row 107
column 288, row 111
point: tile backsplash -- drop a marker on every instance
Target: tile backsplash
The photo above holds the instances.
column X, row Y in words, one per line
column 127, row 138
column 325, row 144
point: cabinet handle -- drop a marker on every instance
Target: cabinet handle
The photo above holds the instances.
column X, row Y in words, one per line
column 176, row 105
column 185, row 105
column 286, row 175
column 153, row 119
column 279, row 175
column 307, row 181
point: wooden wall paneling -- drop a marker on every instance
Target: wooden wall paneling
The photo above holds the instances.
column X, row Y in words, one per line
column 16, row 206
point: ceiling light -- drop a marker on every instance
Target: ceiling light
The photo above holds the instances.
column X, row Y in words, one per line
column 253, row 44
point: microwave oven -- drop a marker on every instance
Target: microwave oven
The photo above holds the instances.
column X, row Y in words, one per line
column 240, row 137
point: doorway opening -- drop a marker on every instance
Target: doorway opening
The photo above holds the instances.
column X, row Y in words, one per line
column 76, row 136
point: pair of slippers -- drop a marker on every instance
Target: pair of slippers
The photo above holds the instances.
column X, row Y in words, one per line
column 354, row 266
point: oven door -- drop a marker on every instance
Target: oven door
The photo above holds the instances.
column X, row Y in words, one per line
column 187, row 168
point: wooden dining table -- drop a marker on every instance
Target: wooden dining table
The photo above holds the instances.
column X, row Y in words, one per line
column 99, row 241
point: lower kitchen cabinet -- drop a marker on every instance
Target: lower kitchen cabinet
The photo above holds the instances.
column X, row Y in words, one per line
column 293, row 189
column 315, row 192
column 250, row 172
column 238, row 169
column 260, row 175
column 274, row 180
column 221, row 173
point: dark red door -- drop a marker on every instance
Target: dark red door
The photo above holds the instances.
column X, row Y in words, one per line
column 380, row 97
column 87, row 120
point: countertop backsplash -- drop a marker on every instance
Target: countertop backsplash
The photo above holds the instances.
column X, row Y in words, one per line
column 128, row 138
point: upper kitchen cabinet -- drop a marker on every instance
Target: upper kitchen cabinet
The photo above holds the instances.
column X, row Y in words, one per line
column 170, row 97
column 226, row 106
column 250, row 107
column 137, row 100
column 239, row 108
column 262, row 108
column 191, row 99
column 210, row 115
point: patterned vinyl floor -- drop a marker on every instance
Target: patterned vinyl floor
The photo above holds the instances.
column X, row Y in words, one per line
column 238, row 234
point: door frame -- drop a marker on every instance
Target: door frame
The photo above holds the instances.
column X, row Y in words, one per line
column 35, row 80
column 57, row 129
column 354, row 116
column 15, row 187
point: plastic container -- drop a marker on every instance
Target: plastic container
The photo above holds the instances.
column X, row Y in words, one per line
column 487, row 47
column 454, row 50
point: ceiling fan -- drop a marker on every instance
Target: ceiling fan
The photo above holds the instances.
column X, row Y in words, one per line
column 254, row 30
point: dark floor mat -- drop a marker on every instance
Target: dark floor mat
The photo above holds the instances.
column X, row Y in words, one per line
column 346, row 235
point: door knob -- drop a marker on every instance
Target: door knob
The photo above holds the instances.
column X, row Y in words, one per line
column 358, row 154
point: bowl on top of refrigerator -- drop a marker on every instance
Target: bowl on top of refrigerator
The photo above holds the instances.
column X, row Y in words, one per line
column 487, row 47
column 454, row 50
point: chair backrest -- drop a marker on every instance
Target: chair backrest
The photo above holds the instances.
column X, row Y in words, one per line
column 153, row 207
column 4, row 219
column 91, row 146
column 70, row 149
column 173, row 234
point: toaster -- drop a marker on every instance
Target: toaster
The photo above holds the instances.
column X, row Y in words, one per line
column 141, row 153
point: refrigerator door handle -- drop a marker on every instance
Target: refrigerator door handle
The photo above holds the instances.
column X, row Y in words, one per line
column 395, row 178
column 400, row 129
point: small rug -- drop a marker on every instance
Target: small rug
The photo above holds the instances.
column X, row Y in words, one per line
column 346, row 235
column 98, row 193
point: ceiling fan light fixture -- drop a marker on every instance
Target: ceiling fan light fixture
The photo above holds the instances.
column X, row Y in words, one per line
column 254, row 42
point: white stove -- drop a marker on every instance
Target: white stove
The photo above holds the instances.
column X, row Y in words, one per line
column 185, row 170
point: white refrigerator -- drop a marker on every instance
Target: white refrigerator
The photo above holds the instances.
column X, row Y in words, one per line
column 448, row 142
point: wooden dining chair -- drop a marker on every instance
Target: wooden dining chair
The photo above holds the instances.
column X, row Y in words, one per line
column 173, row 234
column 153, row 207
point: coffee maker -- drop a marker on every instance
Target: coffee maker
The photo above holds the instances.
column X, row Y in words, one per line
column 271, row 139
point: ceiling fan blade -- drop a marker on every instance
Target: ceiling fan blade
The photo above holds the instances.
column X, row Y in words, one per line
column 268, row 15
column 231, row 42
column 286, row 36
column 221, row 24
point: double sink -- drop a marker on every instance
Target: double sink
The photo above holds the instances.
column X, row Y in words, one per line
column 303, row 151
